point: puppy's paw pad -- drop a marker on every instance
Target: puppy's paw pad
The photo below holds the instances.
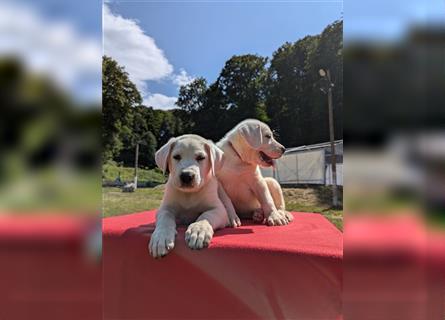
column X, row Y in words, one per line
column 198, row 235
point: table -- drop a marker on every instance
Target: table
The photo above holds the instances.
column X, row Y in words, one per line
column 251, row 272
column 45, row 270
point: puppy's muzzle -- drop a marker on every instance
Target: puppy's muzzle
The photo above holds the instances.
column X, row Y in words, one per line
column 187, row 178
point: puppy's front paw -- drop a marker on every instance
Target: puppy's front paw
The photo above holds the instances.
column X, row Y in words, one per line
column 287, row 214
column 161, row 243
column 234, row 221
column 277, row 218
column 258, row 215
column 199, row 234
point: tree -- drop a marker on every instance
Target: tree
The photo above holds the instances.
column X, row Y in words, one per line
column 144, row 124
column 285, row 94
column 192, row 96
column 295, row 104
column 119, row 95
column 241, row 83
column 288, row 84
column 237, row 94
column 191, row 100
column 328, row 56
column 212, row 119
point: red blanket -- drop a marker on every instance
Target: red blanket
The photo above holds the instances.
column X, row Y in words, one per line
column 252, row 272
column 395, row 268
column 45, row 273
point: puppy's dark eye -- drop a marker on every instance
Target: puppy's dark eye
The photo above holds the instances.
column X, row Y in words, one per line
column 268, row 136
column 200, row 158
column 177, row 157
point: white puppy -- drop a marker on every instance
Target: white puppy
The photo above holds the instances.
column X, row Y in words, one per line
column 191, row 194
column 246, row 147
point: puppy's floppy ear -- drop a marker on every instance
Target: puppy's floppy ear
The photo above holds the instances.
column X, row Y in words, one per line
column 252, row 134
column 215, row 155
column 161, row 156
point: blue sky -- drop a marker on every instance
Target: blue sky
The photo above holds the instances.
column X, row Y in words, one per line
column 385, row 20
column 198, row 37
column 83, row 14
column 182, row 40
column 60, row 39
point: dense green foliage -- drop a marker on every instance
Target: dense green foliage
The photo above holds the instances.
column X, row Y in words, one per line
column 127, row 122
column 49, row 145
column 283, row 91
column 119, row 95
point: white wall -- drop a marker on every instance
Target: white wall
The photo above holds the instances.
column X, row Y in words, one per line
column 339, row 167
column 304, row 167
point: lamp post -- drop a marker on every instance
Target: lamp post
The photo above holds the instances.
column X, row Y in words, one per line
column 327, row 89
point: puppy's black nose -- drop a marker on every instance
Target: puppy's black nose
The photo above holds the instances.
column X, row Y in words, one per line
column 187, row 177
column 282, row 149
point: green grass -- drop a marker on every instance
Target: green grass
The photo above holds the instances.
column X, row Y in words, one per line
column 116, row 202
column 51, row 191
column 315, row 199
column 335, row 216
column 111, row 171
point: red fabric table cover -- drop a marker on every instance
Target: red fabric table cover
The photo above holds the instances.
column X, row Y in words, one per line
column 44, row 273
column 251, row 272
column 394, row 268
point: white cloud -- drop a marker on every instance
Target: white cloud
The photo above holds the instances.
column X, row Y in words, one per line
column 160, row 101
column 182, row 78
column 54, row 48
column 126, row 42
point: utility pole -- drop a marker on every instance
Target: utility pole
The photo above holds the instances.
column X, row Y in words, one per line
column 136, row 160
column 327, row 75
column 139, row 140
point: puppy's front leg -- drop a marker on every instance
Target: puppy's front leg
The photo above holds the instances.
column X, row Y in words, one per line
column 162, row 240
column 272, row 216
column 200, row 233
column 234, row 220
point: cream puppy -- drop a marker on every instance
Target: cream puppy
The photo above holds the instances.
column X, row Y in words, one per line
column 246, row 147
column 191, row 194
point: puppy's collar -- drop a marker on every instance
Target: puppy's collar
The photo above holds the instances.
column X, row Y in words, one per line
column 236, row 152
